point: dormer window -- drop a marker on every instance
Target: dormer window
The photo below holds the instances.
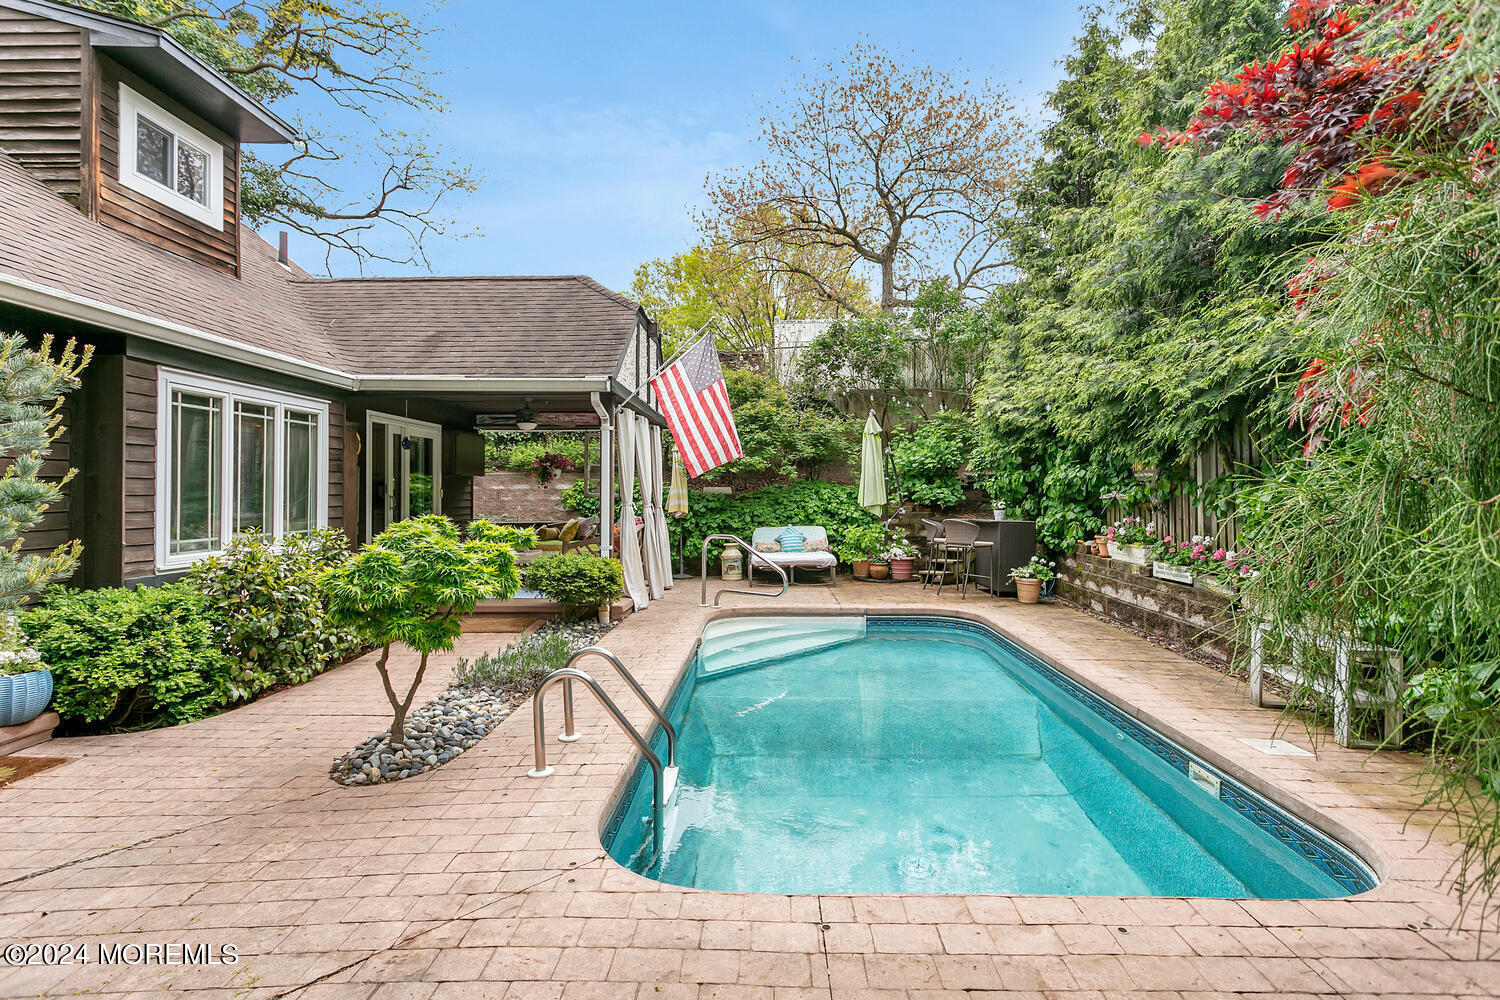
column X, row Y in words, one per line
column 169, row 161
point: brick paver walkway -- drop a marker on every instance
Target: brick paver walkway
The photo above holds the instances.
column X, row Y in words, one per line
column 476, row 881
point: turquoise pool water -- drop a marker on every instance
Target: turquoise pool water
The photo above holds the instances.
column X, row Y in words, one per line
column 932, row 756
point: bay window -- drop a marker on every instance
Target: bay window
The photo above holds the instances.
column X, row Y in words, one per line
column 231, row 459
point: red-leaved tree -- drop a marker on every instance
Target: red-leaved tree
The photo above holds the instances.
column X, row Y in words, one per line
column 1343, row 97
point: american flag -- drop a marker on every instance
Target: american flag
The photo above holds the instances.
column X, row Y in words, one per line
column 690, row 393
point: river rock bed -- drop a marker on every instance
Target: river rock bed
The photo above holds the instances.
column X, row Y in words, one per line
column 435, row 734
column 446, row 726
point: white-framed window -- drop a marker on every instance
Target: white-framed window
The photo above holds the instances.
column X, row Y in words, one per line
column 233, row 458
column 167, row 160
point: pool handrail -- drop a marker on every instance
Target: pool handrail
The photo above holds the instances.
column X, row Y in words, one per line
column 570, row 733
column 539, row 725
column 749, row 575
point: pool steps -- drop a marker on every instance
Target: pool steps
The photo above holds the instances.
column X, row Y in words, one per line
column 730, row 645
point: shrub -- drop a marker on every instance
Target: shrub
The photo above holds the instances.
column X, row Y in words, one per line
column 132, row 658
column 519, row 669
column 928, row 459
column 831, row 505
column 414, row 584
column 863, row 542
column 579, row 580
column 582, row 499
column 274, row 609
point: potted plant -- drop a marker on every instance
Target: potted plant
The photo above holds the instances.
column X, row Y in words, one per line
column 1030, row 577
column 862, row 543
column 1131, row 540
column 1223, row 570
column 1176, row 561
column 1101, row 544
column 903, row 560
column 25, row 684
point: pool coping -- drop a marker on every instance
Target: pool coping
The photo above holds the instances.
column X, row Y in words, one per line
column 1320, row 823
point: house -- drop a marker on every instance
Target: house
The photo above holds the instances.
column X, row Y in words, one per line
column 229, row 389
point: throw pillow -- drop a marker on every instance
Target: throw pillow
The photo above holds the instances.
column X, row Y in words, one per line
column 569, row 531
column 768, row 546
column 791, row 540
column 547, row 535
column 817, row 545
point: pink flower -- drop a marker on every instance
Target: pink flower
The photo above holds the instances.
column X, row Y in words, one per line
column 1219, row 554
column 1244, row 571
column 1168, row 539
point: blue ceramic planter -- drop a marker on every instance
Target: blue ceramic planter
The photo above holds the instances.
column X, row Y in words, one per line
column 24, row 696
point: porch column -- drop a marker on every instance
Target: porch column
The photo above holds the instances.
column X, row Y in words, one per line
column 606, row 477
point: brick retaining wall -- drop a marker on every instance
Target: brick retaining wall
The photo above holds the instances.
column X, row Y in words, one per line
column 1129, row 594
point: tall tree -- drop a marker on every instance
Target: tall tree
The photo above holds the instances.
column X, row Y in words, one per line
column 903, row 166
column 743, row 294
column 362, row 58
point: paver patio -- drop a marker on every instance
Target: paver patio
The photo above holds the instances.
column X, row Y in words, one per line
column 477, row 881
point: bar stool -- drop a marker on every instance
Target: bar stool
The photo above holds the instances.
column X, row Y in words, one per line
column 962, row 538
column 936, row 555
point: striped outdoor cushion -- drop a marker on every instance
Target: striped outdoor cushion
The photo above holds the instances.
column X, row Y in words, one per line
column 791, row 540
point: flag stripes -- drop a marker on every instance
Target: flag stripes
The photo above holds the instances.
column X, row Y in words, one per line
column 692, row 397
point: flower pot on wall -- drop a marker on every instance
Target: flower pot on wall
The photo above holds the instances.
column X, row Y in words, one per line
column 1101, row 547
column 879, row 571
column 1137, row 554
column 1028, row 591
column 861, row 567
column 1177, row 574
column 1213, row 586
column 902, row 569
column 24, row 696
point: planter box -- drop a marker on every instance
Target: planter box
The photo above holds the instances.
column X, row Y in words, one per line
column 1177, row 574
column 1137, row 554
column 1213, row 586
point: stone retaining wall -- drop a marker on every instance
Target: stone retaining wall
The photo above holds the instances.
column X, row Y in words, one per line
column 1129, row 594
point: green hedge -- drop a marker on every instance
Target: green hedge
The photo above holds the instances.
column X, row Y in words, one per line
column 581, row 581
column 274, row 608
column 132, row 658
column 812, row 501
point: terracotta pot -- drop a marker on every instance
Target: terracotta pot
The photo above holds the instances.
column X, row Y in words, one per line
column 879, row 571
column 1028, row 591
column 861, row 567
column 902, row 569
column 1101, row 546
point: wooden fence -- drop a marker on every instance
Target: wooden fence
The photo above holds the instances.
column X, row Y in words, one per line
column 1185, row 512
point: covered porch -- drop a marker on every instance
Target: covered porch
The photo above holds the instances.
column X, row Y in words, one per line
column 422, row 451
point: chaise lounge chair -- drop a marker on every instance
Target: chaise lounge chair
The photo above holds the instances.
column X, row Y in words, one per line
column 815, row 553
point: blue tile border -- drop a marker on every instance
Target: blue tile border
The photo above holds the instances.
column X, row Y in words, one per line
column 1330, row 857
column 1316, row 848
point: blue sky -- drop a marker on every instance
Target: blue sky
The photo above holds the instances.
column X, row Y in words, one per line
column 595, row 123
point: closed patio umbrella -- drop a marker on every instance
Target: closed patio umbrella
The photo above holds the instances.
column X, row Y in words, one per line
column 872, row 468
column 677, row 506
column 677, row 497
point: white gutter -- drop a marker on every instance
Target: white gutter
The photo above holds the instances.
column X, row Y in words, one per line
column 55, row 302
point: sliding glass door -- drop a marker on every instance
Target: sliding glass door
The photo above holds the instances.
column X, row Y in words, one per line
column 403, row 474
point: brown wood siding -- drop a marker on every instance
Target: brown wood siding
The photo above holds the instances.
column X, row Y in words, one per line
column 138, row 551
column 336, row 465
column 42, row 67
column 131, row 212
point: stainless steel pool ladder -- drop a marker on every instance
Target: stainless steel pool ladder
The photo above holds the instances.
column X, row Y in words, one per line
column 662, row 779
column 751, row 555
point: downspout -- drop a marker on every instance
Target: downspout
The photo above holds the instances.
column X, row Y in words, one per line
column 606, row 477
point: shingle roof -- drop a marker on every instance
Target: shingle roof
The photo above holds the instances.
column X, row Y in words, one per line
column 492, row 327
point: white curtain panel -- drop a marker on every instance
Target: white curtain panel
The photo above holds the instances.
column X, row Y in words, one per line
column 658, row 571
column 663, row 546
column 630, row 542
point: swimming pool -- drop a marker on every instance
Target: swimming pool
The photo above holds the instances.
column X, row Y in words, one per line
column 903, row 754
